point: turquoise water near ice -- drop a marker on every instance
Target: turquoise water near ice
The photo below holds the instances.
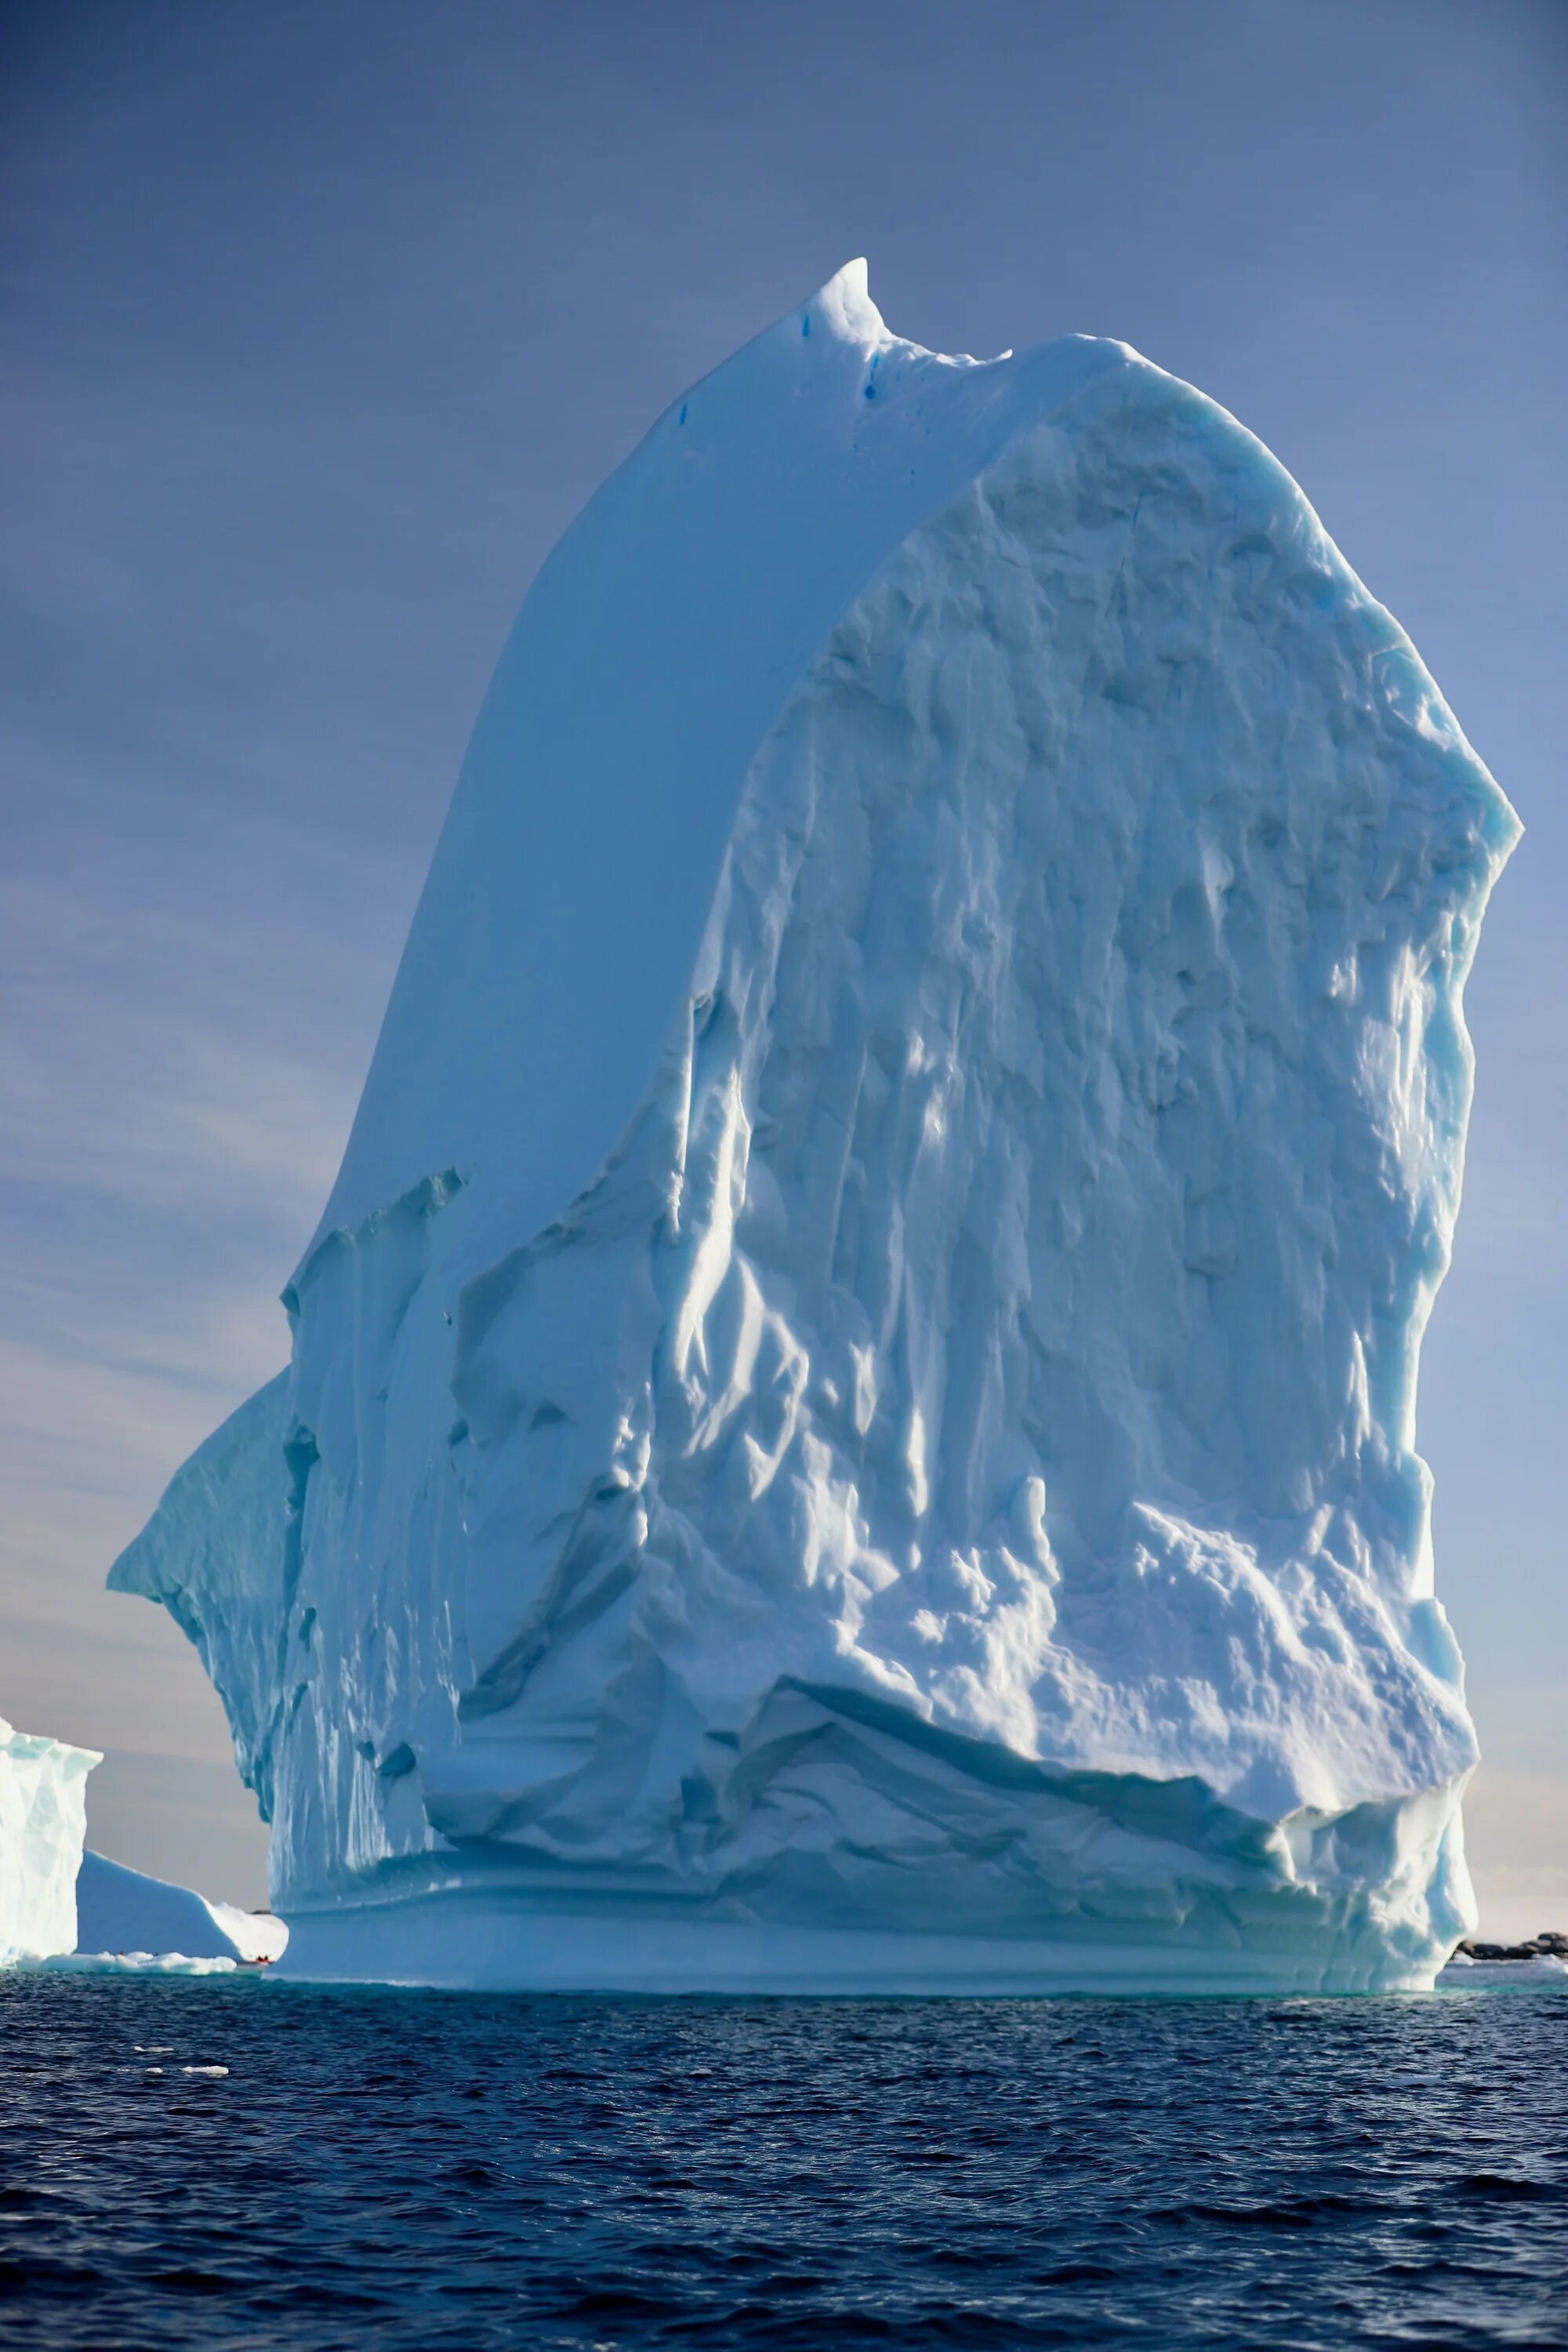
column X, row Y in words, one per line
column 428, row 2171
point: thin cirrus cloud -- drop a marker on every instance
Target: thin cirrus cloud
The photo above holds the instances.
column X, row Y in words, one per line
column 126, row 1069
column 168, row 1139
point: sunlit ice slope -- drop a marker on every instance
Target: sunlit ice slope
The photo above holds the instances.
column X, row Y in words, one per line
column 851, row 1419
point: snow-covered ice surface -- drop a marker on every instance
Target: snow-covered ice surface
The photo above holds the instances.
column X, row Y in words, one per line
column 120, row 1910
column 851, row 1417
column 43, row 1821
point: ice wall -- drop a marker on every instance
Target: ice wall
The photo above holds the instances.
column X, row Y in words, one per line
column 851, row 1419
column 43, row 1821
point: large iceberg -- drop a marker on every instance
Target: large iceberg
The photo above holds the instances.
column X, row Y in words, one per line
column 852, row 1408
column 43, row 1821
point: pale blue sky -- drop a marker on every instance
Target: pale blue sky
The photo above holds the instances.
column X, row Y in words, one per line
column 319, row 323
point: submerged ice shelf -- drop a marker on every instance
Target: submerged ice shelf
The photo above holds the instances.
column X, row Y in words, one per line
column 851, row 1415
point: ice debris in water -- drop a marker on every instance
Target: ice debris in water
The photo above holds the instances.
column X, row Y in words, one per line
column 43, row 1821
column 133, row 1964
column 851, row 1415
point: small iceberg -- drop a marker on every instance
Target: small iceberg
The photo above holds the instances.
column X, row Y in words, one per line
column 42, row 1826
column 121, row 1912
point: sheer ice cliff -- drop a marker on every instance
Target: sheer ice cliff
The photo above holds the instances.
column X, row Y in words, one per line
column 851, row 1416
column 43, row 1822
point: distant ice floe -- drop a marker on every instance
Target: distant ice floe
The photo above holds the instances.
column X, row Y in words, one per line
column 128, row 1964
column 121, row 1910
column 68, row 1910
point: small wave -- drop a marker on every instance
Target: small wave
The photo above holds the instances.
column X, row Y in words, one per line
column 1509, row 2186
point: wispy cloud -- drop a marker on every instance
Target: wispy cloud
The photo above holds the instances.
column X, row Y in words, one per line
column 153, row 1058
column 171, row 1116
column 1516, row 1834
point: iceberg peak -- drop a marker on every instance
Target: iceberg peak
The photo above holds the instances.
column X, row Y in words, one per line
column 844, row 308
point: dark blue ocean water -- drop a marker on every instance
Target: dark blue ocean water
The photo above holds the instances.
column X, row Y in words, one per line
column 430, row 2170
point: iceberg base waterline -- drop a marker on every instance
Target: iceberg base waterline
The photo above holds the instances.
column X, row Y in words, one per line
column 508, row 1940
column 591, row 1932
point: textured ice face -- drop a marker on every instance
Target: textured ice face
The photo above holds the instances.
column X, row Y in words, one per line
column 954, row 1466
column 1061, row 1153
column 43, row 1821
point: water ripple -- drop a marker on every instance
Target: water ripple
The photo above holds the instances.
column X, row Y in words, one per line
column 440, row 2173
